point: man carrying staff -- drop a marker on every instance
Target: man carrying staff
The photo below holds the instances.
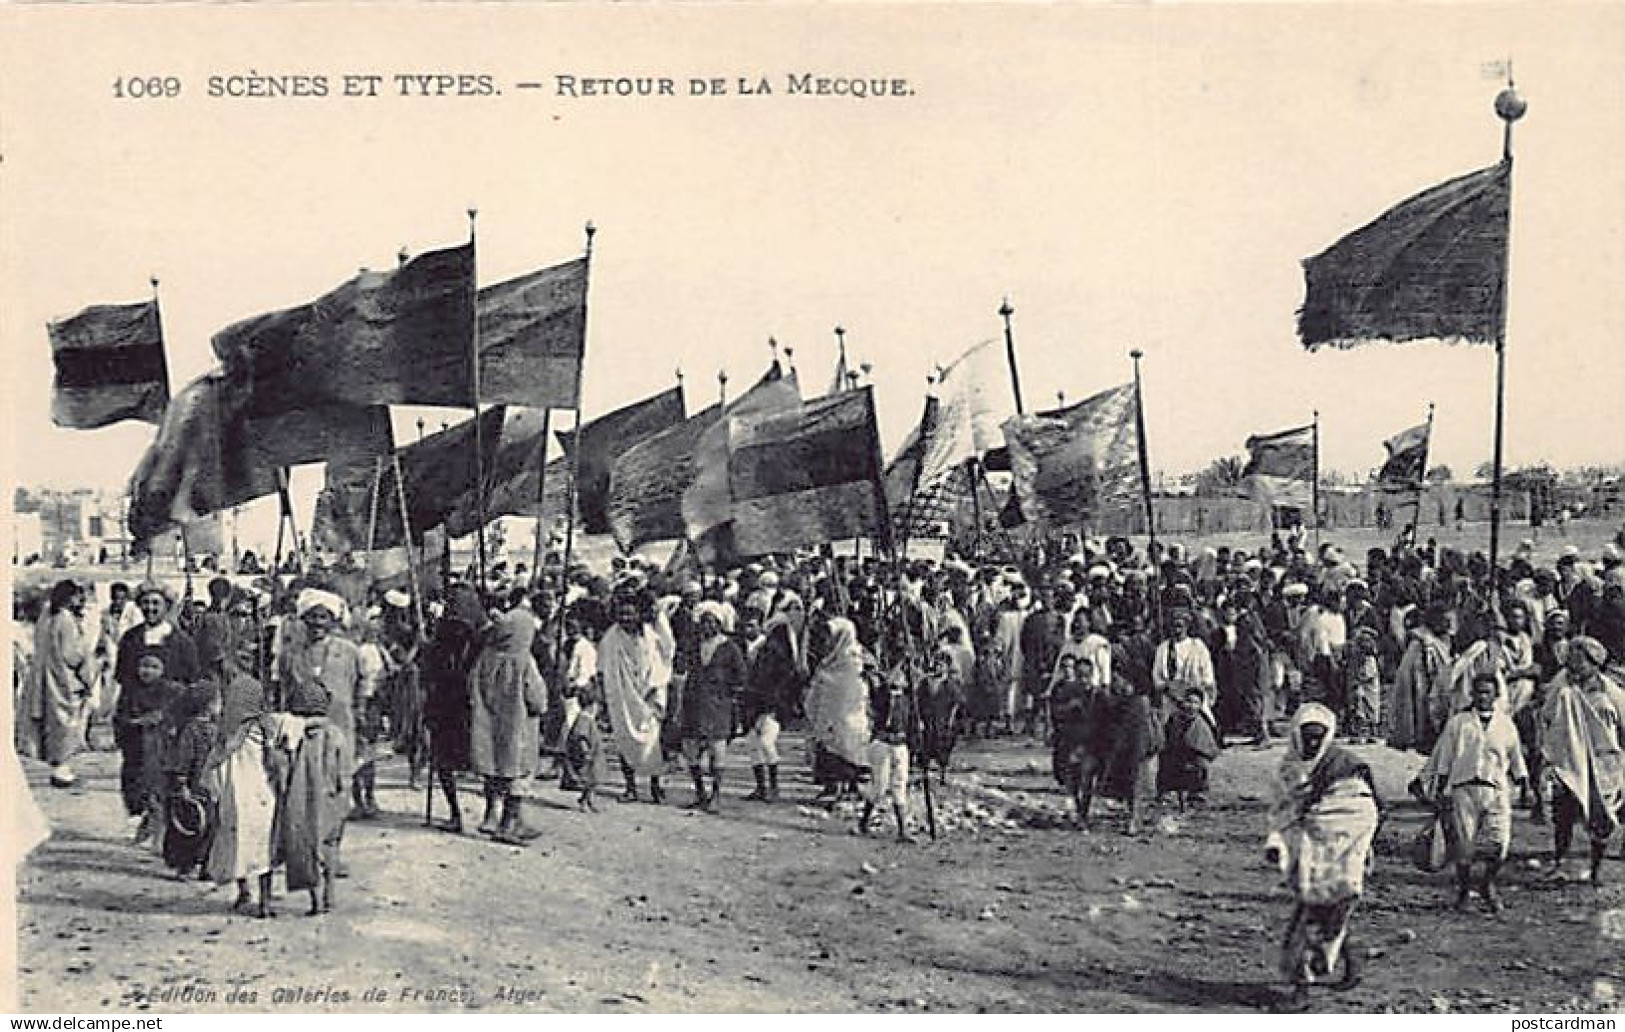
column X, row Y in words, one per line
column 773, row 688
column 447, row 661
column 507, row 698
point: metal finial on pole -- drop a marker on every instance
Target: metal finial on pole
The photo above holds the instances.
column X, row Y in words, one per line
column 444, row 426
column 1060, row 399
column 402, row 256
column 866, row 368
column 154, row 281
column 790, row 357
column 722, row 385
column 1006, row 310
column 591, row 231
column 852, row 379
column 1509, row 106
column 420, row 428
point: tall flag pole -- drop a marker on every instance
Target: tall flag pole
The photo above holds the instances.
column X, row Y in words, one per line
column 1006, row 310
column 1433, row 267
column 541, row 498
column 1422, row 474
column 575, row 450
column 474, row 381
column 1314, row 485
column 1510, row 107
column 1145, row 485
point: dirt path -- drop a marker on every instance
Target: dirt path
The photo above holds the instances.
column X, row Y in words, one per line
column 643, row 908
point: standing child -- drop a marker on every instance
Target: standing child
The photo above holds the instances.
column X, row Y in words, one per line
column 942, row 694
column 1191, row 742
column 187, row 803
column 146, row 703
column 583, row 749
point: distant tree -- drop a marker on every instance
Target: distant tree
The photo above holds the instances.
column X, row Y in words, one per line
column 1485, row 471
column 1221, row 477
column 1440, row 474
column 1333, row 478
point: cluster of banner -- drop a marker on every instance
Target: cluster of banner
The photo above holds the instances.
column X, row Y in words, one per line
column 1067, row 465
column 767, row 473
column 313, row 383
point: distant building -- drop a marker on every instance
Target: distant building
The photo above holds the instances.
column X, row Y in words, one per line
column 80, row 525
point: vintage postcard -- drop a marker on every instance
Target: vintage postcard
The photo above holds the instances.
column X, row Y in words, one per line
column 808, row 507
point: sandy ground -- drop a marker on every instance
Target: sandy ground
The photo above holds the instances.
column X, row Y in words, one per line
column 780, row 908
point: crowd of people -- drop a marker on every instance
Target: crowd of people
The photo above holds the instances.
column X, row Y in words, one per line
column 250, row 724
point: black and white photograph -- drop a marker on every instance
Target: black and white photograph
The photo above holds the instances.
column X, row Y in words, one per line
column 813, row 508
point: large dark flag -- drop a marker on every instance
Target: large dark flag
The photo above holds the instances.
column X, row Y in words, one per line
column 109, row 366
column 1280, row 467
column 381, row 338
column 199, row 462
column 648, row 481
column 807, row 475
column 1432, row 267
column 1407, row 459
column 437, row 474
column 513, row 480
column 532, row 336
column 1070, row 464
column 707, row 502
column 605, row 438
column 212, row 451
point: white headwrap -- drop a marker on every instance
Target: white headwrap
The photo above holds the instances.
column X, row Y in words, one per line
column 713, row 608
column 312, row 598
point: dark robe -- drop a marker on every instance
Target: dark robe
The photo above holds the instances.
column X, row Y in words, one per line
column 1042, row 634
column 446, row 665
column 1081, row 715
column 1191, row 743
column 708, row 696
column 1135, row 738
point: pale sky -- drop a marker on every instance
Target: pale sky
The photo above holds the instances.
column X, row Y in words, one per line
column 1128, row 176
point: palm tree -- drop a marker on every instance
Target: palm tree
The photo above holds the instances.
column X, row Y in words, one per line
column 1222, row 477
